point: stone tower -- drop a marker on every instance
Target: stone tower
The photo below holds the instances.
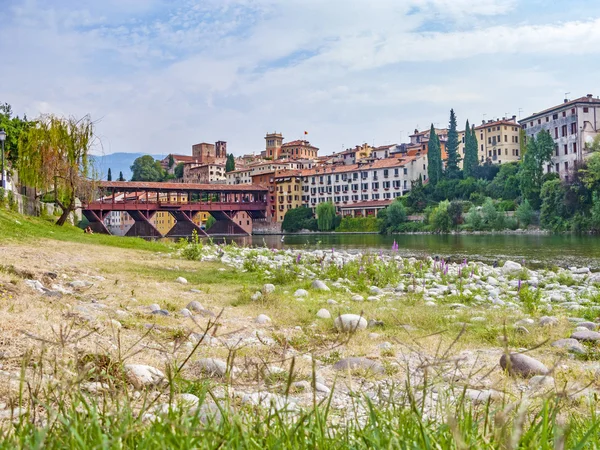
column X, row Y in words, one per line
column 273, row 145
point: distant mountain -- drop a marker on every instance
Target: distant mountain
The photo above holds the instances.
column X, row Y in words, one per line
column 118, row 162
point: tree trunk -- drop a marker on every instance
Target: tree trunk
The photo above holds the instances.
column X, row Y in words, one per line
column 65, row 213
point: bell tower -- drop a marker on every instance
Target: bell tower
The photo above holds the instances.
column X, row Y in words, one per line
column 273, row 145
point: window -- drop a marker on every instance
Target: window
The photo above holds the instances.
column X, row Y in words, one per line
column 396, row 172
column 573, row 128
column 554, row 116
column 375, row 185
column 556, row 150
column 557, row 168
column 481, row 137
column 539, row 121
column 586, row 110
column 566, row 149
column 564, row 114
column 481, row 147
column 564, row 130
column 405, row 171
column 573, row 111
column 531, row 123
column 547, row 119
column 556, row 133
column 489, row 140
column 505, row 137
column 405, row 184
column 574, row 147
column 566, row 166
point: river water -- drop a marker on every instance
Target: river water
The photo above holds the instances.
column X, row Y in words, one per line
column 535, row 250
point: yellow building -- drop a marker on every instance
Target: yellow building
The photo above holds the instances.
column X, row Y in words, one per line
column 498, row 141
column 289, row 192
column 200, row 218
column 163, row 221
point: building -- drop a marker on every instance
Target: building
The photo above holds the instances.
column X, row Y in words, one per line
column 273, row 145
column 498, row 141
column 239, row 176
column 572, row 124
column 177, row 159
column 205, row 153
column 288, row 185
column 267, row 179
column 420, row 139
column 300, row 149
column 204, row 174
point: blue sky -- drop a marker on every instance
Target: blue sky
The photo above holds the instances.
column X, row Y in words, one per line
column 159, row 75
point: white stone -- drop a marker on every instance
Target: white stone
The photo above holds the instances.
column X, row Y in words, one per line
column 358, row 298
column 319, row 286
column 181, row 280
column 268, row 288
column 141, row 375
column 350, row 322
column 262, row 319
column 331, row 302
column 300, row 293
column 323, row 314
column 511, row 268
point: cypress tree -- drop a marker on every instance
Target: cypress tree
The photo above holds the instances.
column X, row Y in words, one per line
column 109, row 176
column 471, row 160
column 434, row 157
column 230, row 163
column 121, row 177
column 452, row 170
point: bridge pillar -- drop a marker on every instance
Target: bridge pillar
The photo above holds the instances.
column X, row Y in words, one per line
column 184, row 225
column 142, row 226
column 225, row 224
column 96, row 220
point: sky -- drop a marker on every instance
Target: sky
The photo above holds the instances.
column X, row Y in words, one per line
column 158, row 76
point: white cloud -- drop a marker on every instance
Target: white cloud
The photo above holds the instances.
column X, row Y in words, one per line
column 161, row 78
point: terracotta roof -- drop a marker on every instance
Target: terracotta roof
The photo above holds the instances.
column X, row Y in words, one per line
column 586, row 99
column 437, row 131
column 141, row 185
column 182, row 158
column 377, row 164
column 288, row 173
column 368, row 204
column 297, row 142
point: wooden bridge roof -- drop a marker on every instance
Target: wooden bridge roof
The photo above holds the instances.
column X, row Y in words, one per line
column 136, row 186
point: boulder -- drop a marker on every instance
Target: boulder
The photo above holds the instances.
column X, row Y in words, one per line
column 300, row 293
column 268, row 288
column 212, row 366
column 522, row 365
column 350, row 322
column 570, row 344
column 589, row 325
column 195, row 306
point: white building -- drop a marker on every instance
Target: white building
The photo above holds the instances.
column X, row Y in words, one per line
column 244, row 176
column 572, row 125
column 375, row 181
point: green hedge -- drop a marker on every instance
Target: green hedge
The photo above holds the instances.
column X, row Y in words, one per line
column 359, row 224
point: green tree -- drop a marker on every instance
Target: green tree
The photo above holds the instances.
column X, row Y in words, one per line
column 14, row 127
column 121, row 177
column 392, row 217
column 146, row 168
column 539, row 153
column 171, row 160
column 440, row 218
column 209, row 222
column 490, row 216
column 590, row 173
column 524, row 213
column 471, row 160
column 297, row 219
column 434, row 158
column 455, row 210
column 552, row 212
column 473, row 218
column 230, row 163
column 595, row 212
column 416, row 199
column 325, row 216
column 109, row 176
column 452, row 169
column 179, row 170
column 54, row 156
column 505, row 184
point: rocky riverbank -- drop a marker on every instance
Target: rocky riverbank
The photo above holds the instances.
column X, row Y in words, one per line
column 284, row 329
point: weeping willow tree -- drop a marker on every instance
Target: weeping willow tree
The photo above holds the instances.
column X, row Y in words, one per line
column 54, row 157
column 325, row 216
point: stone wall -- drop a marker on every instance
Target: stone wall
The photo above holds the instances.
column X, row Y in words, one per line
column 33, row 207
column 266, row 227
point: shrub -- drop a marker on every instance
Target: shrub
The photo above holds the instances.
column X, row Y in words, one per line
column 357, row 224
column 297, row 219
column 455, row 210
column 473, row 219
column 440, row 218
column 392, row 217
column 524, row 214
column 210, row 222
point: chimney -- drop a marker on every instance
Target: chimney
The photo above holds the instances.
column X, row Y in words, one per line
column 566, row 100
column 590, row 97
column 483, row 122
column 514, row 118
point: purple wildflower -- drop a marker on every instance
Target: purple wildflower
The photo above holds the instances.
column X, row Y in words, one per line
column 519, row 286
column 298, row 258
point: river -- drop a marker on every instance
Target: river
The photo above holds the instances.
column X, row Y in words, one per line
column 535, row 250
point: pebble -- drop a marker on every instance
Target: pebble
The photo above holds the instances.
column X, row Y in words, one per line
column 586, row 335
column 354, row 363
column 358, row 298
column 268, row 288
column 141, row 375
column 301, row 293
column 181, row 280
column 262, row 319
column 319, row 285
column 589, row 325
column 331, row 302
column 154, row 307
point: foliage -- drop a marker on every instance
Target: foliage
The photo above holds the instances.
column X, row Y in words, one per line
column 455, row 210
column 178, row 170
column 417, row 199
column 552, row 213
column 325, row 216
column 539, row 153
column 146, row 168
column 530, row 298
column 595, row 212
column 434, row 157
column 471, row 160
column 524, row 214
column 591, row 172
column 298, row 219
column 392, row 217
column 109, row 175
column 453, row 159
column 121, row 177
column 505, row 184
column 171, row 160
column 210, row 221
column 440, row 218
column 14, row 127
column 486, row 171
column 54, row 156
column 359, row 224
column 230, row 163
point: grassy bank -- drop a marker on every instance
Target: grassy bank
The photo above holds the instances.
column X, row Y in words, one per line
column 63, row 382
